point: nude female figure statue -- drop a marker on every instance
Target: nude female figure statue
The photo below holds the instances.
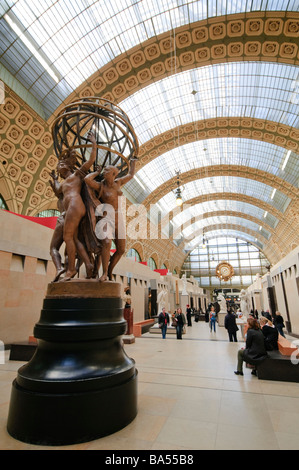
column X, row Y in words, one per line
column 108, row 193
column 74, row 208
column 57, row 238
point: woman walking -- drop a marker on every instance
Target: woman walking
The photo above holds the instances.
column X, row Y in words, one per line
column 180, row 322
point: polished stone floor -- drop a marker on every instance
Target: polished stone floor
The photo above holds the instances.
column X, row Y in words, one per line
column 189, row 398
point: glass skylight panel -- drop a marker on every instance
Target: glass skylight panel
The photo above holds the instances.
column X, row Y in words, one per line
column 255, row 154
column 267, row 97
column 230, row 184
column 134, row 23
column 198, row 210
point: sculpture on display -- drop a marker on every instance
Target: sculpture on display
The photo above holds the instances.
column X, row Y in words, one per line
column 244, row 304
column 80, row 384
column 91, row 134
column 184, row 279
column 109, row 193
column 222, row 303
column 162, row 300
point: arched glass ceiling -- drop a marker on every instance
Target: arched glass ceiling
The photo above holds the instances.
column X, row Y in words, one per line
column 245, row 89
column 229, row 151
column 76, row 38
column 199, row 210
column 230, row 184
column 215, row 234
column 198, row 227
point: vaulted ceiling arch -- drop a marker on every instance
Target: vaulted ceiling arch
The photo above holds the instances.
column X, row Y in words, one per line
column 238, row 171
column 272, row 250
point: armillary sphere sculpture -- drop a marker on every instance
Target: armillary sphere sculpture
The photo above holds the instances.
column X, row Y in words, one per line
column 92, row 137
column 115, row 137
column 80, row 384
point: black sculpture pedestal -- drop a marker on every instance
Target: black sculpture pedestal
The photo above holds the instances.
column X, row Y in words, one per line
column 80, row 384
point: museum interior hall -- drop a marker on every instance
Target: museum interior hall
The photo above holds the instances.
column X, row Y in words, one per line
column 195, row 105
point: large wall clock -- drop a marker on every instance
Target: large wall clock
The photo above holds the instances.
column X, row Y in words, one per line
column 224, row 271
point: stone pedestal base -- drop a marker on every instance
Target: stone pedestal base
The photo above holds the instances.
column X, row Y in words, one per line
column 80, row 384
column 221, row 316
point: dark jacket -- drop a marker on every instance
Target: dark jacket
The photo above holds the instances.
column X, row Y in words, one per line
column 271, row 337
column 180, row 318
column 230, row 323
column 278, row 320
column 255, row 350
column 163, row 319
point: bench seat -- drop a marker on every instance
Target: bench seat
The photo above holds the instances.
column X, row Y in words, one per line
column 286, row 348
column 278, row 367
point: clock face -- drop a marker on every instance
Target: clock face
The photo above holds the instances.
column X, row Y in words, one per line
column 224, row 271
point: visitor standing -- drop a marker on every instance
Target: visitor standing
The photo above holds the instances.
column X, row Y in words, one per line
column 213, row 319
column 279, row 323
column 163, row 321
column 188, row 314
column 181, row 321
column 231, row 326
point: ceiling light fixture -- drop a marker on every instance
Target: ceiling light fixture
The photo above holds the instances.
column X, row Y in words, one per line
column 178, row 191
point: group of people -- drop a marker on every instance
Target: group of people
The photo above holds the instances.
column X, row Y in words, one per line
column 178, row 320
column 261, row 336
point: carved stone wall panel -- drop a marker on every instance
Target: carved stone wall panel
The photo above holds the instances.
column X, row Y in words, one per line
column 32, row 165
column 131, row 83
column 14, row 134
column 183, row 39
column 7, row 149
column 23, row 119
column 288, row 50
column 26, row 179
column 20, row 157
column 124, row 67
column 144, row 75
column 98, row 85
column 273, row 26
column 4, row 124
column 254, row 27
column 235, row 49
column 137, row 59
column 217, row 31
column 110, row 75
column 13, row 172
column 44, row 175
column 235, row 28
column 27, row 143
column 46, row 140
column 34, row 200
column 40, row 187
column 20, row 193
column 36, row 130
column 10, row 108
column 152, row 52
column 291, row 28
column 87, row 91
column 158, row 69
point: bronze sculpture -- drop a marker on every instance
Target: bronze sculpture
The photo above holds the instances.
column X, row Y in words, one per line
column 80, row 363
column 90, row 201
column 108, row 193
column 74, row 208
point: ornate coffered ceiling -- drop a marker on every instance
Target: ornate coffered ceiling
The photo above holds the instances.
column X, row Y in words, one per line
column 259, row 39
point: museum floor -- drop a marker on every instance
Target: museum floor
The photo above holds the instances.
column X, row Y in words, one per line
column 189, row 398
